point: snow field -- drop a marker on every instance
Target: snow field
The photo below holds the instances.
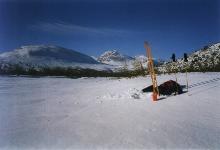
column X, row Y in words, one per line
column 104, row 113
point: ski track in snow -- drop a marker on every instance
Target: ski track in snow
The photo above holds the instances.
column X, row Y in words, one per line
column 108, row 113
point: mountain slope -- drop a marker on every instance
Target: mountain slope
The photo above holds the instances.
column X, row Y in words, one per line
column 29, row 53
column 204, row 59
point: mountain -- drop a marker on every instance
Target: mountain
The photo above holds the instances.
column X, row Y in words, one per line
column 144, row 60
column 141, row 59
column 114, row 58
column 48, row 56
column 118, row 60
column 204, row 59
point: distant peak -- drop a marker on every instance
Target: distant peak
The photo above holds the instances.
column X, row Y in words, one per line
column 140, row 56
column 113, row 56
column 111, row 52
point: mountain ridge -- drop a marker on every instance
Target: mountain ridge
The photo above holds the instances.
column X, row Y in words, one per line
column 38, row 56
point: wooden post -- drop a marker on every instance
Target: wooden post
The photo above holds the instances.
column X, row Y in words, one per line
column 152, row 72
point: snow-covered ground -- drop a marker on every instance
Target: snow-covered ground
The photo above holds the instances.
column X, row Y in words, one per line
column 108, row 113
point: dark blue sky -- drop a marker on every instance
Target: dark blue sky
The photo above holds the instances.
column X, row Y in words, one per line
column 94, row 26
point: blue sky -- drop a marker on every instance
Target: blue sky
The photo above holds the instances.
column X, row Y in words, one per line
column 94, row 26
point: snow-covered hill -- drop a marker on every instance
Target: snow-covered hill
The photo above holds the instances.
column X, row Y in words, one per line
column 205, row 58
column 48, row 56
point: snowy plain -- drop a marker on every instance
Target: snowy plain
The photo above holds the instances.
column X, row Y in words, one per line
column 108, row 113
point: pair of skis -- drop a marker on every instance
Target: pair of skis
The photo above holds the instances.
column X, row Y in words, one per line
column 186, row 72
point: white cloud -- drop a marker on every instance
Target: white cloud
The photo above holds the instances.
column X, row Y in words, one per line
column 72, row 29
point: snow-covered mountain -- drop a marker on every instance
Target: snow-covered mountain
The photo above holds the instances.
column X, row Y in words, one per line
column 142, row 60
column 48, row 56
column 205, row 58
column 114, row 58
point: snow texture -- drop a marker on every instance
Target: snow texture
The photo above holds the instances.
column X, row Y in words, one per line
column 108, row 113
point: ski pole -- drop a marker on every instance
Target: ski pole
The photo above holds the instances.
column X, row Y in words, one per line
column 186, row 60
column 187, row 82
column 174, row 60
column 176, row 81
